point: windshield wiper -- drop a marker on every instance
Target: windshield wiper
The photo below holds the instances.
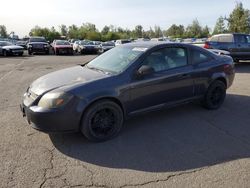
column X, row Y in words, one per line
column 99, row 70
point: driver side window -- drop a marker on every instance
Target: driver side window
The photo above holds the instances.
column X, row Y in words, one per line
column 167, row 58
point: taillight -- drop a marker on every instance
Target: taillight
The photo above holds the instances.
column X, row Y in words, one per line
column 207, row 46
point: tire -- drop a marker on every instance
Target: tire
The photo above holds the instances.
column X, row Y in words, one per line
column 56, row 52
column 103, row 120
column 21, row 54
column 30, row 53
column 215, row 95
column 5, row 54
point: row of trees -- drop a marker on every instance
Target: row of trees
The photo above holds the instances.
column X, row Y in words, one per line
column 238, row 21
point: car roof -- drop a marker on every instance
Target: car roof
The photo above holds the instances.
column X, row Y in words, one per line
column 151, row 44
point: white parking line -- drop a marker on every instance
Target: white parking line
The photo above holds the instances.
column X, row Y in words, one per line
column 22, row 62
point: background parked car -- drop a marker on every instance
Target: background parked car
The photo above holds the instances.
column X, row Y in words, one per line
column 7, row 48
column 62, row 47
column 72, row 41
column 105, row 46
column 38, row 45
column 122, row 41
column 238, row 45
column 22, row 43
column 76, row 45
column 88, row 47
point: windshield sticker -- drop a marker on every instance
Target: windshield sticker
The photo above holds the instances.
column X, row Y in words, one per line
column 139, row 49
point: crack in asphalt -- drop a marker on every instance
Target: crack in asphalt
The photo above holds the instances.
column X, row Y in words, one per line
column 165, row 179
column 49, row 168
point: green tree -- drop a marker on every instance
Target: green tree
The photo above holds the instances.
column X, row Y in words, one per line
column 220, row 26
column 63, row 30
column 138, row 31
column 205, row 31
column 73, row 32
column 49, row 34
column 3, row 31
column 176, row 31
column 194, row 30
column 239, row 19
column 105, row 30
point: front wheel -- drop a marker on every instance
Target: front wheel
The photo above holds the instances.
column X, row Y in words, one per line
column 215, row 95
column 5, row 54
column 102, row 120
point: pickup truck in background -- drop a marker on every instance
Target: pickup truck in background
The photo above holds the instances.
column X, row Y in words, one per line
column 238, row 45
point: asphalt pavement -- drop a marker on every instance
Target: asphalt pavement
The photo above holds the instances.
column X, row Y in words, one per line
column 186, row 146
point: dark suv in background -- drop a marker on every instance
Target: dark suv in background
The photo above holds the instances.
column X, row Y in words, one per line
column 38, row 45
column 237, row 44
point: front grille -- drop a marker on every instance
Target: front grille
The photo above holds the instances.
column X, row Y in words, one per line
column 38, row 46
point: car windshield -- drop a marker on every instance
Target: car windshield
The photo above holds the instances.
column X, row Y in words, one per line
column 84, row 42
column 62, row 42
column 6, row 43
column 116, row 60
column 38, row 40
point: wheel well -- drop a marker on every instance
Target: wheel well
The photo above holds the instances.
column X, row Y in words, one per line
column 222, row 80
column 102, row 99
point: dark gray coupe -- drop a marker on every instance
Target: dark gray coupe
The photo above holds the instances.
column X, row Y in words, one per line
column 134, row 78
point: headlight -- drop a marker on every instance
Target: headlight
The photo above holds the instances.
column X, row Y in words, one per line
column 30, row 46
column 54, row 99
column 46, row 46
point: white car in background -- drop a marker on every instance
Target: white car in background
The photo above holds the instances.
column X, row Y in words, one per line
column 7, row 48
column 76, row 45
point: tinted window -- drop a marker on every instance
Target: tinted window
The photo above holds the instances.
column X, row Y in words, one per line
column 241, row 38
column 167, row 58
column 37, row 40
column 200, row 57
column 62, row 42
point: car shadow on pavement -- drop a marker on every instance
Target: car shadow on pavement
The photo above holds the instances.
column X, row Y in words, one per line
column 178, row 139
column 242, row 67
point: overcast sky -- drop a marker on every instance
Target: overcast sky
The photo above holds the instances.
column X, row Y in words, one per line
column 21, row 16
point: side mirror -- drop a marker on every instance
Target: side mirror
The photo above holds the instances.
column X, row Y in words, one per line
column 145, row 70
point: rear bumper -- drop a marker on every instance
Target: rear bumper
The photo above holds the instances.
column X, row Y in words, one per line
column 52, row 120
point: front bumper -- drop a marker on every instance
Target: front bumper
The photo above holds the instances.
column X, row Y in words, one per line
column 66, row 119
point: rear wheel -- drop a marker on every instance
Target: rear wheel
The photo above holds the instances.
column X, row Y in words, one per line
column 102, row 120
column 215, row 95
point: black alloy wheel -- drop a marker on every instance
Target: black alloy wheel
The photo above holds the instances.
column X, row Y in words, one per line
column 102, row 121
column 215, row 95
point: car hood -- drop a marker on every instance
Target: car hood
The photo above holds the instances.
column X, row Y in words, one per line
column 37, row 43
column 63, row 46
column 65, row 77
column 13, row 47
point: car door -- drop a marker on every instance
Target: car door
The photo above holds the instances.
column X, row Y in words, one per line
column 170, row 82
column 242, row 45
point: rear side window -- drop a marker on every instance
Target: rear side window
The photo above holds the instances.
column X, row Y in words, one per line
column 167, row 58
column 200, row 57
column 241, row 39
column 227, row 38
